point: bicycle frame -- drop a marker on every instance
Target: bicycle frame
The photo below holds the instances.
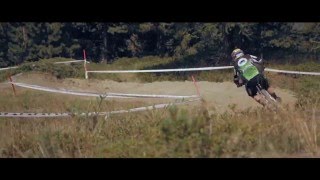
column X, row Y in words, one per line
column 263, row 92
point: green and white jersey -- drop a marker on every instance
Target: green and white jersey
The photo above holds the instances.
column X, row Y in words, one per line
column 246, row 68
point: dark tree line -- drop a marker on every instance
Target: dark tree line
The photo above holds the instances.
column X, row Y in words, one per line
column 20, row 41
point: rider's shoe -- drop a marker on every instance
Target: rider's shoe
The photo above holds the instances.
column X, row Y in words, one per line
column 278, row 99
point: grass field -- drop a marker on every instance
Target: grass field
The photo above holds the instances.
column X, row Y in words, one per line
column 187, row 131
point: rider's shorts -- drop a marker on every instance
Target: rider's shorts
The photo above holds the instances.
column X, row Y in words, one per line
column 251, row 86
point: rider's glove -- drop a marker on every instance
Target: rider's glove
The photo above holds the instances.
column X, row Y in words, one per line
column 236, row 81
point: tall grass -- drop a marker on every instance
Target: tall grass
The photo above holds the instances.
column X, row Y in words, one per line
column 173, row 132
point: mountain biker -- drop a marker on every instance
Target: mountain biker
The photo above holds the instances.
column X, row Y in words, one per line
column 249, row 71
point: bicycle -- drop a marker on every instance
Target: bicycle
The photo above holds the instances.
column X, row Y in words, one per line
column 270, row 102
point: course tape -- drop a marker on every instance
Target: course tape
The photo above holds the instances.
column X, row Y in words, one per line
column 200, row 69
column 164, row 70
column 2, row 69
column 42, row 115
column 66, row 62
column 293, row 72
column 106, row 95
column 180, row 70
column 62, row 62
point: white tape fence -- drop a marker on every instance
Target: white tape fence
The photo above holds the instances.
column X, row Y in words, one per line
column 164, row 70
column 200, row 69
column 53, row 115
column 62, row 62
column 293, row 72
column 106, row 95
column 174, row 70
column 2, row 69
column 67, row 62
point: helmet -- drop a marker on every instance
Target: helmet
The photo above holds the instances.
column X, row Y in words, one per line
column 237, row 53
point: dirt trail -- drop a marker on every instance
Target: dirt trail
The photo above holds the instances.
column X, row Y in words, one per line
column 218, row 95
